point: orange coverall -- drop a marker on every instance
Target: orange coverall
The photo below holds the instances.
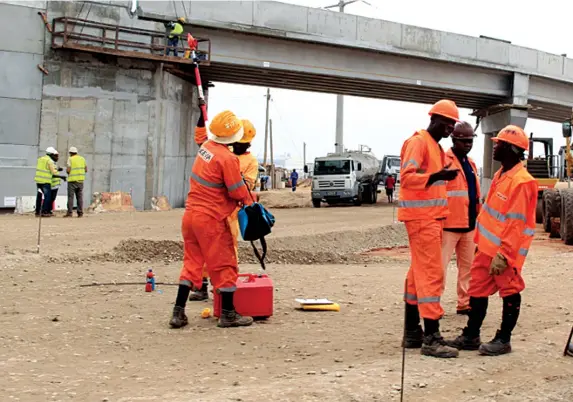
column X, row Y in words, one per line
column 423, row 209
column 506, row 225
column 216, row 189
column 249, row 166
column 461, row 242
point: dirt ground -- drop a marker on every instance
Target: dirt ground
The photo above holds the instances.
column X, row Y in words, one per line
column 62, row 342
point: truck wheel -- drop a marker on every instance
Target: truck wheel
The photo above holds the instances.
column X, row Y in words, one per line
column 367, row 193
column 567, row 216
column 539, row 211
column 358, row 201
column 375, row 194
column 316, row 203
column 548, row 201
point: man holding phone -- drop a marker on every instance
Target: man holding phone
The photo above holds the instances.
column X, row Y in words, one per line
column 423, row 207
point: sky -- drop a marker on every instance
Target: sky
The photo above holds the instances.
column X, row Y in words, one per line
column 300, row 117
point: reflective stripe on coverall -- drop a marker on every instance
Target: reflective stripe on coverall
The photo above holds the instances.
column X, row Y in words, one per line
column 216, row 189
column 506, row 225
column 423, row 209
column 200, row 138
column 249, row 169
column 460, row 242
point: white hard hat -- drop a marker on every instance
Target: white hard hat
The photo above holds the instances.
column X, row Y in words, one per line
column 73, row 150
column 51, row 150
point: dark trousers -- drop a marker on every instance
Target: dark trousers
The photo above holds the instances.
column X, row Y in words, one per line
column 53, row 195
column 293, row 185
column 76, row 188
column 46, row 189
column 172, row 42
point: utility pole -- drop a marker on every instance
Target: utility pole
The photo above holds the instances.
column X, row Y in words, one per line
column 339, row 141
column 268, row 96
column 273, row 184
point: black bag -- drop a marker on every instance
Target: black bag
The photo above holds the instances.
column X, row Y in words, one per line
column 255, row 222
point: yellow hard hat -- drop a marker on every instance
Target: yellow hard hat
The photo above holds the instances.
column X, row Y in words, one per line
column 226, row 128
column 249, row 130
column 181, row 19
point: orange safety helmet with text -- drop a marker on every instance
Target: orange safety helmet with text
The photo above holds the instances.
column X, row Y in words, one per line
column 513, row 135
column 445, row 108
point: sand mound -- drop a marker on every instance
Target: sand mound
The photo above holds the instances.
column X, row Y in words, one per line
column 285, row 199
column 327, row 248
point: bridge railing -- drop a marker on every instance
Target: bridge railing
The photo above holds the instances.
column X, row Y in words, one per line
column 97, row 37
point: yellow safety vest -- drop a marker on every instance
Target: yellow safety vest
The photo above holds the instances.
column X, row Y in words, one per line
column 176, row 31
column 55, row 181
column 43, row 173
column 77, row 169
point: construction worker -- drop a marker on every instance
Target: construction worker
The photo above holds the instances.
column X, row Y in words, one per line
column 55, row 183
column 77, row 169
column 504, row 232
column 389, row 184
column 293, row 179
column 423, row 207
column 174, row 35
column 45, row 170
column 216, row 189
column 201, row 293
column 463, row 202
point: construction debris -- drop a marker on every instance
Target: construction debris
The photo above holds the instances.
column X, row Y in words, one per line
column 106, row 202
column 160, row 203
column 286, row 199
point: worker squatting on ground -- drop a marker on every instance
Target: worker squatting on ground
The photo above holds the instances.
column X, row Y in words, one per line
column 46, row 170
column 216, row 189
column 505, row 229
column 423, row 206
column 463, row 202
column 249, row 169
column 174, row 35
column 77, row 169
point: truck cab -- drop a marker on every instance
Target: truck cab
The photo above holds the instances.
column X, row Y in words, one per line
column 351, row 177
column 390, row 166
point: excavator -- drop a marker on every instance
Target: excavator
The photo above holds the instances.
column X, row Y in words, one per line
column 554, row 181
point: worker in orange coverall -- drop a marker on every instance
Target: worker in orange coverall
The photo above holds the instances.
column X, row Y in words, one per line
column 203, row 292
column 423, row 206
column 463, row 202
column 505, row 229
column 217, row 188
column 249, row 166
column 249, row 169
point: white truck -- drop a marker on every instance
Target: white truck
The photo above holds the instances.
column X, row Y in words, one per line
column 390, row 166
column 348, row 177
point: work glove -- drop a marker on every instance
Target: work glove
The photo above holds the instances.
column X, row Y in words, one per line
column 498, row 265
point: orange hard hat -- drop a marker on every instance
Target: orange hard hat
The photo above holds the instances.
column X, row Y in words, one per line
column 249, row 130
column 200, row 135
column 226, row 128
column 513, row 135
column 446, row 108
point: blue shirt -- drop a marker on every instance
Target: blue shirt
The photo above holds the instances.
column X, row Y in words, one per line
column 472, row 194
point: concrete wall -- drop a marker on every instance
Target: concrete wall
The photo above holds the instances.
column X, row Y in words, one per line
column 132, row 121
column 20, row 96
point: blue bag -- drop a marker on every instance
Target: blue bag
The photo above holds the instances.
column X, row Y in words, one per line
column 255, row 222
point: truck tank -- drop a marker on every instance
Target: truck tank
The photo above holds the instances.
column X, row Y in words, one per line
column 370, row 165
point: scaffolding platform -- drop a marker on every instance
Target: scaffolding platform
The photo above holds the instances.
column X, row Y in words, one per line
column 96, row 37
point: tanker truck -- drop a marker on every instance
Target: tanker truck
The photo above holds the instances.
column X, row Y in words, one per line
column 347, row 177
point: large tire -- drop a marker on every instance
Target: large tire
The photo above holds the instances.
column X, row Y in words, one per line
column 548, row 201
column 374, row 194
column 539, row 211
column 367, row 193
column 567, row 215
column 316, row 203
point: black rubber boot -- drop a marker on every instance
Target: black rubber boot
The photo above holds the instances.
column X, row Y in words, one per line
column 414, row 335
column 434, row 345
column 465, row 341
column 229, row 317
column 179, row 319
column 200, row 294
column 496, row 347
column 413, row 339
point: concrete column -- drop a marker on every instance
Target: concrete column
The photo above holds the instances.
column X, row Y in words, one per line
column 492, row 124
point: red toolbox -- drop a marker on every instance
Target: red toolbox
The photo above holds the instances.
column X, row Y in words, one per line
column 253, row 297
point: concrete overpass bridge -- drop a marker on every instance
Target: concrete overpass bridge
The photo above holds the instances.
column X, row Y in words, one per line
column 132, row 118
